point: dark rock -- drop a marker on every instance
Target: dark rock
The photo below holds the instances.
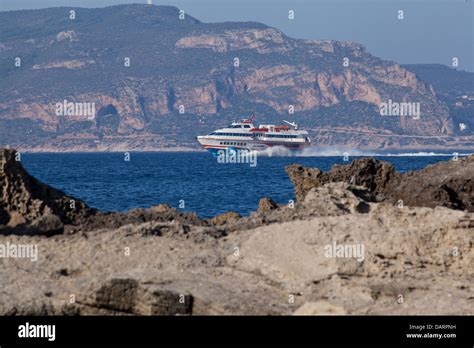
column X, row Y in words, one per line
column 167, row 302
column 266, row 205
column 118, row 294
column 368, row 172
column 449, row 184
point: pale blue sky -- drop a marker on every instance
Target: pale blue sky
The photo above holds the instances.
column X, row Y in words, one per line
column 433, row 31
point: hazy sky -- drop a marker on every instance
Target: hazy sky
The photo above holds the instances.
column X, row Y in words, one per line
column 432, row 31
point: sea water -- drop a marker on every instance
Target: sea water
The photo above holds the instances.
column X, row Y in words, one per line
column 191, row 181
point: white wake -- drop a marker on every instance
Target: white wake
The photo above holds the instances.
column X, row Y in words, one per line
column 281, row 151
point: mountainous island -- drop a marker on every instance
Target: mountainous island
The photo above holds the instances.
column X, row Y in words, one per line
column 158, row 77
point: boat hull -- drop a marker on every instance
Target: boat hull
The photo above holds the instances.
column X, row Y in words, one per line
column 216, row 145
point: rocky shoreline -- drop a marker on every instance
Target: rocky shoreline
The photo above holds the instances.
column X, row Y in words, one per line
column 414, row 230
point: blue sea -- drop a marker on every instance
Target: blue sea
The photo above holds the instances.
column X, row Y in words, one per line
column 194, row 180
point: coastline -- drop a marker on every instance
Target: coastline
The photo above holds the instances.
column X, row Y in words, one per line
column 312, row 151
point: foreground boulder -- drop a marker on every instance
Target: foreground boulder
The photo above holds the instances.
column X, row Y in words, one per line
column 449, row 184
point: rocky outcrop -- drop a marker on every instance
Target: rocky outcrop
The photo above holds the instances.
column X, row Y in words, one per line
column 337, row 251
column 449, row 184
column 29, row 206
column 373, row 174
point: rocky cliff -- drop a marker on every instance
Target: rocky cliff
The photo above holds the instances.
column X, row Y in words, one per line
column 165, row 79
column 160, row 261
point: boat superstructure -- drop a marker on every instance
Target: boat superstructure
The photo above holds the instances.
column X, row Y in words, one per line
column 244, row 135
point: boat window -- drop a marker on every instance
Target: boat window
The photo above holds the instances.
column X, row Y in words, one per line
column 246, row 126
column 282, row 136
column 234, row 134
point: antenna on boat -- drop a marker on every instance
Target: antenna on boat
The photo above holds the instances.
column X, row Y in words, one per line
column 293, row 124
column 252, row 117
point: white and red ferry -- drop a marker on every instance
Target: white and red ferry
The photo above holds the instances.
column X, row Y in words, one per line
column 245, row 135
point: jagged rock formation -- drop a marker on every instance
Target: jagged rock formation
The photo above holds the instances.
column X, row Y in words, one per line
column 192, row 66
column 449, row 184
column 158, row 262
column 29, row 206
